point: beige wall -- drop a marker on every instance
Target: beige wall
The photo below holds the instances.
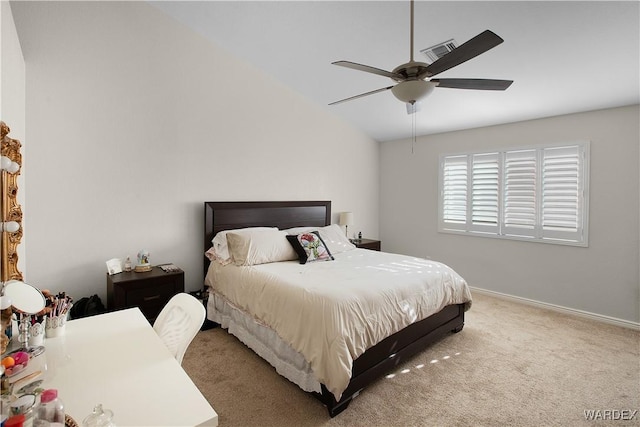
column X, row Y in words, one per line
column 12, row 97
column 601, row 279
column 134, row 121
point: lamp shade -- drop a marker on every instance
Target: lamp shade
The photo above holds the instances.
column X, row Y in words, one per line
column 346, row 218
column 412, row 90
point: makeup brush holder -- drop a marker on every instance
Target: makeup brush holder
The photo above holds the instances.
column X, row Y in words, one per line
column 55, row 326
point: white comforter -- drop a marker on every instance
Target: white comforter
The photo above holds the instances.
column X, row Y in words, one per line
column 331, row 312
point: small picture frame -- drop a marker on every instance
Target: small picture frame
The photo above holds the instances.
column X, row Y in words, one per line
column 114, row 266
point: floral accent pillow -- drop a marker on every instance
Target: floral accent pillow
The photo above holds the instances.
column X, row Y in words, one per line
column 310, row 247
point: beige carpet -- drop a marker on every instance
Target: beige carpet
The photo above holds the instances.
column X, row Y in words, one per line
column 512, row 365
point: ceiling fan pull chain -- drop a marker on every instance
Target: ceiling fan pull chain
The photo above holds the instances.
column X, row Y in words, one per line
column 413, row 132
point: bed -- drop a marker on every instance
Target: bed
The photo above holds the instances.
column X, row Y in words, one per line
column 365, row 356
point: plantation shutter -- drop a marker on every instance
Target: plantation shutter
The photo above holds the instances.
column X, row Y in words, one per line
column 519, row 199
column 485, row 181
column 454, row 192
column 538, row 193
column 562, row 193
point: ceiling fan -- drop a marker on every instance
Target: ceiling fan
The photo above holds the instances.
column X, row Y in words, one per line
column 415, row 79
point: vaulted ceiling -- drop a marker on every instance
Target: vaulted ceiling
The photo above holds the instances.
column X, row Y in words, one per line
column 564, row 57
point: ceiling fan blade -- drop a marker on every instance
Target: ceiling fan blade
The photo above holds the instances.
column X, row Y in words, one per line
column 361, row 95
column 481, row 84
column 368, row 69
column 466, row 51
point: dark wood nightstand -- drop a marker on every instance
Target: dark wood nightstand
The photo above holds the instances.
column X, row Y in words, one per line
column 149, row 291
column 374, row 245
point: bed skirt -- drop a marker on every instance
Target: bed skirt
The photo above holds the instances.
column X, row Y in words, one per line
column 264, row 341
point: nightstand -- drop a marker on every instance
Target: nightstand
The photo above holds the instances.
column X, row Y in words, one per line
column 374, row 245
column 149, row 290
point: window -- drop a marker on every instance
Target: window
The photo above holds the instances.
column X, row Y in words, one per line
column 534, row 193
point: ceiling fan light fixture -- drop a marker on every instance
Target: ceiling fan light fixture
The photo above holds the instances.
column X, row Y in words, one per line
column 412, row 90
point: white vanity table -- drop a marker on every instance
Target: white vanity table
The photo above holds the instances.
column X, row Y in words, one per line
column 118, row 360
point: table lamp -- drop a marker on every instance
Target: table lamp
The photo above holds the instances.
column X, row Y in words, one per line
column 346, row 219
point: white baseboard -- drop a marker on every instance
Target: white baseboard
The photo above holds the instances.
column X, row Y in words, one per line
column 566, row 310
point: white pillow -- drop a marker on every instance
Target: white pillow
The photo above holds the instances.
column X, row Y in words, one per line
column 299, row 230
column 259, row 247
column 332, row 235
column 220, row 251
column 335, row 239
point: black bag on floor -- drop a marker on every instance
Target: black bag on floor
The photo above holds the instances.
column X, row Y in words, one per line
column 87, row 306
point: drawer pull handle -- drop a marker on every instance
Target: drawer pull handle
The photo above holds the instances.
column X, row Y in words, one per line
column 151, row 298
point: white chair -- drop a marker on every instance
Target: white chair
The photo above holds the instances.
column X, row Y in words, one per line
column 179, row 322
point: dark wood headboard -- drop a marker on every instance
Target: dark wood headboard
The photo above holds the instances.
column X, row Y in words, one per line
column 220, row 216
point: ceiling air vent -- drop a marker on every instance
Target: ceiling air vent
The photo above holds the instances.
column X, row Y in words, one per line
column 439, row 50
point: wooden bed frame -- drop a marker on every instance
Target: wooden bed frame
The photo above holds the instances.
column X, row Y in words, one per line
column 379, row 359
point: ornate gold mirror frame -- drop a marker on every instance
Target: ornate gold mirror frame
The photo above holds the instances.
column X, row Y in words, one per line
column 9, row 207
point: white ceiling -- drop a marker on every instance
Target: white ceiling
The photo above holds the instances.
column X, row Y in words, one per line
column 564, row 57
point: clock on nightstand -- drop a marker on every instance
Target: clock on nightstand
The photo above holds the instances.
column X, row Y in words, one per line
column 374, row 245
